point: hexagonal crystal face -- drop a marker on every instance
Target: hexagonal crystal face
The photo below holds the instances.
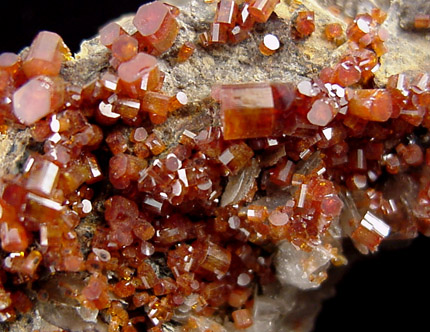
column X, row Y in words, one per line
column 157, row 26
column 45, row 55
column 32, row 101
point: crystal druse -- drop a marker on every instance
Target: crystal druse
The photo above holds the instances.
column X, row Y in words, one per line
column 130, row 227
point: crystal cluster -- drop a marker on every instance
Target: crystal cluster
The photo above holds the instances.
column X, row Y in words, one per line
column 233, row 23
column 187, row 230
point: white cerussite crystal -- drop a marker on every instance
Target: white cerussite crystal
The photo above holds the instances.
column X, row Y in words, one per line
column 299, row 268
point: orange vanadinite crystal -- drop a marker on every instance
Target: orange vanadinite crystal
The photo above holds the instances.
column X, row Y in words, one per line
column 177, row 101
column 286, row 160
column 333, row 31
column 139, row 74
column 218, row 33
column 13, row 235
column 46, row 55
column 305, row 24
column 156, row 102
column 370, row 104
column 242, row 318
column 155, row 144
column 236, row 156
column 257, row 213
column 37, row 98
column 360, row 27
column 213, row 258
column 422, row 21
column 157, row 26
column 239, row 296
column 186, row 51
column 261, row 10
column 378, row 15
column 269, row 44
column 247, row 110
column 127, row 108
column 41, row 175
column 109, row 33
column 238, row 34
column 244, row 18
column 10, row 62
column 124, row 47
column 226, row 12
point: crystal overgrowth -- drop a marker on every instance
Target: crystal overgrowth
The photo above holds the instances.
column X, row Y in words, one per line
column 186, row 230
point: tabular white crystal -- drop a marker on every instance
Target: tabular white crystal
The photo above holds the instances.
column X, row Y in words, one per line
column 373, row 223
column 87, row 314
column 302, row 269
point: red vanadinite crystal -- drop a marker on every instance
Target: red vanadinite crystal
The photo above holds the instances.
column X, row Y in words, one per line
column 124, row 47
column 261, row 10
column 109, row 33
column 157, row 26
column 186, row 51
column 45, row 55
column 333, row 31
column 139, row 74
column 247, row 110
column 305, row 24
column 226, row 12
column 37, row 98
column 371, row 104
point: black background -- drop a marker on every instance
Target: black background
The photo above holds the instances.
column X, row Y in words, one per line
column 386, row 291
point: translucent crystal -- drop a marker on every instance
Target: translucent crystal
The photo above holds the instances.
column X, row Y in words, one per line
column 156, row 25
column 269, row 44
column 247, row 110
column 109, row 33
column 304, row 270
column 139, row 74
column 186, row 51
column 45, row 55
column 371, row 104
column 226, row 12
column 37, row 98
column 262, row 9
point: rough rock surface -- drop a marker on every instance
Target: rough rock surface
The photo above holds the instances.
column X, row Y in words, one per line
column 294, row 61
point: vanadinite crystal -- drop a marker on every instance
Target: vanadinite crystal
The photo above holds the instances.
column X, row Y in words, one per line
column 156, row 25
column 135, row 210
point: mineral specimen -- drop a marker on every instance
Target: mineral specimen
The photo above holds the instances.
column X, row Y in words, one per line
column 118, row 224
